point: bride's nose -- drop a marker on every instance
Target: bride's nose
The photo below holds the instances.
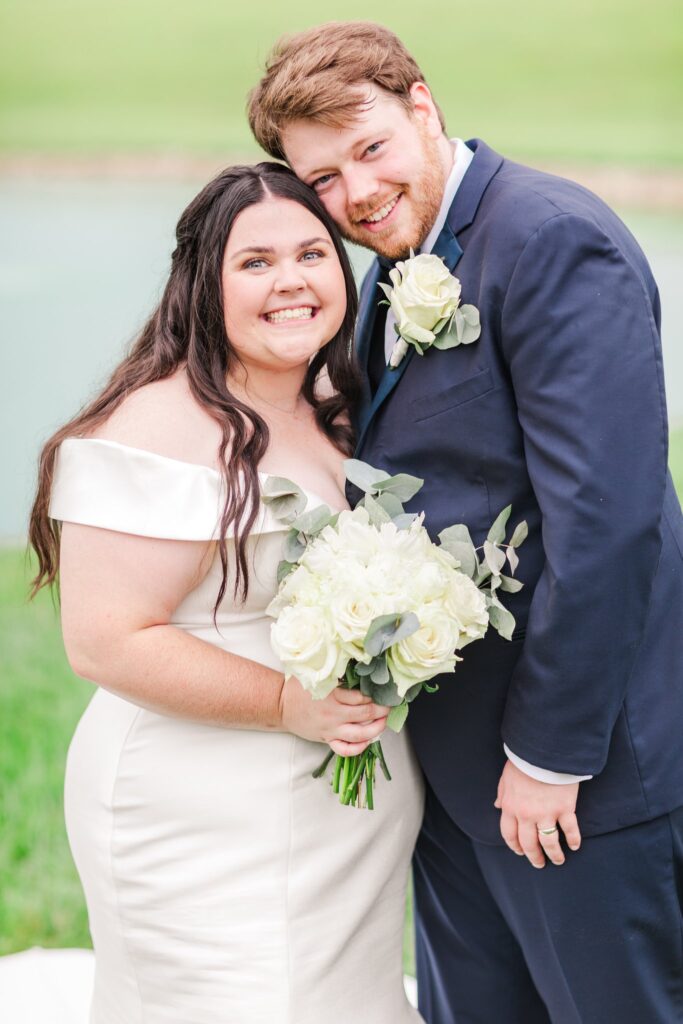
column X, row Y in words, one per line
column 289, row 278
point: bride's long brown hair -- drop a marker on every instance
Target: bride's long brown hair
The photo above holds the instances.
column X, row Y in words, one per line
column 188, row 328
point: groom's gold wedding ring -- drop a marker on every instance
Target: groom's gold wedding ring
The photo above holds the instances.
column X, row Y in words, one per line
column 547, row 831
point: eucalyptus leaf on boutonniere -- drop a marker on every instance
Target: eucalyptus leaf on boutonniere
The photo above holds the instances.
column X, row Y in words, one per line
column 425, row 299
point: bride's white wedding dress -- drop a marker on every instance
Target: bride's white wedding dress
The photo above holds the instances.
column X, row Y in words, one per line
column 224, row 884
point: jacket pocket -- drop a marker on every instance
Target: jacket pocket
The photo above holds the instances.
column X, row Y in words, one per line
column 426, row 406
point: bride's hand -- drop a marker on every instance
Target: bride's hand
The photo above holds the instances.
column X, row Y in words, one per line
column 345, row 719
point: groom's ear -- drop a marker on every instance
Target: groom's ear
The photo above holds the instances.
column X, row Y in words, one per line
column 425, row 109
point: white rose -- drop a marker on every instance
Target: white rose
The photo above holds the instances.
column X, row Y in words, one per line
column 413, row 543
column 466, row 604
column 424, row 294
column 319, row 557
column 426, row 653
column 300, row 587
column 302, row 639
column 428, row 583
column 352, row 611
column 353, row 534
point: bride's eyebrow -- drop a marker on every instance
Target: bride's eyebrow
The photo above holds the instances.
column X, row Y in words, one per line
column 265, row 250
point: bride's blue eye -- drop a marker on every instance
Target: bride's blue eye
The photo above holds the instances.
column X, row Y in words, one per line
column 255, row 264
column 316, row 253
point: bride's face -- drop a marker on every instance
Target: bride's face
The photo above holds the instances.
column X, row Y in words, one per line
column 284, row 295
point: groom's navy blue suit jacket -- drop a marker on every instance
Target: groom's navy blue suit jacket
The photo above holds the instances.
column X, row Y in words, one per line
column 559, row 410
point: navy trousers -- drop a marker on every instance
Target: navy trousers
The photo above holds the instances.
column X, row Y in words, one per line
column 598, row 940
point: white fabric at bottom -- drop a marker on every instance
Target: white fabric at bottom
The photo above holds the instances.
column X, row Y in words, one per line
column 46, row 986
column 54, row 986
column 224, row 884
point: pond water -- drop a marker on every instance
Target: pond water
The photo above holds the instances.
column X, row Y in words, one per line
column 81, row 265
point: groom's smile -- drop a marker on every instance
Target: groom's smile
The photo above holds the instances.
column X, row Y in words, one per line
column 382, row 176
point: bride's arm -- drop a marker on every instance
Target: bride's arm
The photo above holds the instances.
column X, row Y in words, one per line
column 118, row 593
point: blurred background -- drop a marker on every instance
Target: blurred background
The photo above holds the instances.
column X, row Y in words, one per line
column 112, row 115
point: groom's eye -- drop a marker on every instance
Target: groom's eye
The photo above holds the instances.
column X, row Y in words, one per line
column 321, row 181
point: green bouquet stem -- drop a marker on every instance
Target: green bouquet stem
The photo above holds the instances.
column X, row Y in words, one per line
column 353, row 778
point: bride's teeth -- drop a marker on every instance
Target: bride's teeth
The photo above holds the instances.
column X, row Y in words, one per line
column 300, row 313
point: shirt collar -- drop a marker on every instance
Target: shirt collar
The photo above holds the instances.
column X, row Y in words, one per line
column 461, row 161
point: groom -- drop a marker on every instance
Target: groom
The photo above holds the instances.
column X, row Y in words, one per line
column 575, row 727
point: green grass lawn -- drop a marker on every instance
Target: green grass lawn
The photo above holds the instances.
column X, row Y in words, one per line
column 580, row 80
column 40, row 703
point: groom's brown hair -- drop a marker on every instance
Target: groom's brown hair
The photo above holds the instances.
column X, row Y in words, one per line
column 321, row 74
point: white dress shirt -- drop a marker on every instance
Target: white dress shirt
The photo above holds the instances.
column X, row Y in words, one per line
column 462, row 159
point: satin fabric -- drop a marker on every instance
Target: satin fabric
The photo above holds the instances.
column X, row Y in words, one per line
column 223, row 882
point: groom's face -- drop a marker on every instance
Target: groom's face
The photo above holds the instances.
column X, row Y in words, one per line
column 381, row 177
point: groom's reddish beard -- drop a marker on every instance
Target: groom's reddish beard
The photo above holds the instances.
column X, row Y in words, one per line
column 424, row 194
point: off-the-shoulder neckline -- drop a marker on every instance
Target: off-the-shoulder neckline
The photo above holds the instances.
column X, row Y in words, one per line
column 193, row 465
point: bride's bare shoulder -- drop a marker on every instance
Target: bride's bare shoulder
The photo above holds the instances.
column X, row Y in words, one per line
column 165, row 418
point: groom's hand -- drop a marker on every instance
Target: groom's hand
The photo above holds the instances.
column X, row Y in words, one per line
column 526, row 806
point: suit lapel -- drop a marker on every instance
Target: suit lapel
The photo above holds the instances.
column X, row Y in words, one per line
column 367, row 309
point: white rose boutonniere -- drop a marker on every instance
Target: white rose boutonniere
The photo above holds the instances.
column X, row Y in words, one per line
column 425, row 299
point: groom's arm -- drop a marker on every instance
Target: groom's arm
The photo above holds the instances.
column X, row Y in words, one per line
column 583, row 350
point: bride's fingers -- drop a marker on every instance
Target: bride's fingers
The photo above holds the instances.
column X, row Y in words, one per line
column 348, row 749
column 345, row 696
column 360, row 733
column 364, row 713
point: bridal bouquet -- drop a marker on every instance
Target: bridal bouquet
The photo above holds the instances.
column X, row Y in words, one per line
column 367, row 599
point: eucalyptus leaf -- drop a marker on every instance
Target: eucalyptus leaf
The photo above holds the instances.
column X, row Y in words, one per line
column 278, row 487
column 390, row 503
column 377, row 514
column 447, row 338
column 470, row 326
column 520, row 534
column 385, row 694
column 312, row 522
column 512, row 586
column 513, row 559
column 283, row 570
column 502, row 620
column 463, row 550
column 386, row 630
column 402, row 486
column 404, row 521
column 284, row 498
column 483, row 573
column 459, row 532
column 364, row 476
column 494, row 557
column 397, row 716
column 497, row 532
column 294, row 546
column 412, row 692
column 365, row 670
column 380, row 673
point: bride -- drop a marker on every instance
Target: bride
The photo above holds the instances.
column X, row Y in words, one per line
column 223, row 882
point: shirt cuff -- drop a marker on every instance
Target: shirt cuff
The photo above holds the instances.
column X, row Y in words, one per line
column 543, row 774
